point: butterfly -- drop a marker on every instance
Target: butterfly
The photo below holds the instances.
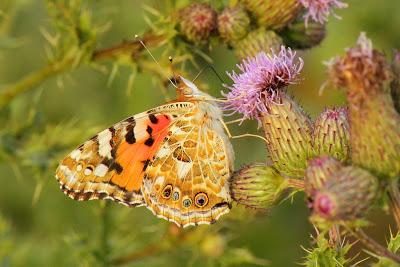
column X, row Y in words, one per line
column 175, row 159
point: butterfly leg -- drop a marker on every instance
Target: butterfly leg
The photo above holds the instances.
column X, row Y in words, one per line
column 242, row 135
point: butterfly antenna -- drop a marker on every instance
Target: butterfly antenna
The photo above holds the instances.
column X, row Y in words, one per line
column 154, row 59
column 170, row 58
column 213, row 69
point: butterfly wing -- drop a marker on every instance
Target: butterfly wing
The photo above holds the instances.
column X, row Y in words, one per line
column 111, row 165
column 187, row 182
column 173, row 159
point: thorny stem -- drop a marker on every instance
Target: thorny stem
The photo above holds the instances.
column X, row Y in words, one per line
column 33, row 79
column 133, row 47
column 372, row 245
column 37, row 77
column 394, row 197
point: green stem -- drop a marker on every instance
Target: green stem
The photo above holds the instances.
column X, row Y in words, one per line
column 32, row 80
column 170, row 242
column 394, row 197
column 374, row 246
column 104, row 248
column 35, row 78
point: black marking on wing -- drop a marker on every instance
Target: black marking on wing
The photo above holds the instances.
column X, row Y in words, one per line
column 149, row 141
column 146, row 164
column 149, row 129
column 130, row 135
column 112, row 165
column 153, row 119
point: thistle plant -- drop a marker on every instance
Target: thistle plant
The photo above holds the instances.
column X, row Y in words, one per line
column 343, row 156
column 344, row 162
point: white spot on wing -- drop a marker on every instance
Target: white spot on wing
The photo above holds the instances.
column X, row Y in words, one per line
column 79, row 167
column 164, row 151
column 69, row 175
column 104, row 138
column 100, row 170
column 87, row 171
column 75, row 155
column 159, row 180
column 183, row 168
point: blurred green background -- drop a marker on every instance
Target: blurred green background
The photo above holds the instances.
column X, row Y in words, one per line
column 40, row 226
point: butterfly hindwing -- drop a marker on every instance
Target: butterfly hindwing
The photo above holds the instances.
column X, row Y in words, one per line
column 187, row 181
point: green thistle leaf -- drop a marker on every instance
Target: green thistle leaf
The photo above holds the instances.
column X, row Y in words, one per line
column 324, row 255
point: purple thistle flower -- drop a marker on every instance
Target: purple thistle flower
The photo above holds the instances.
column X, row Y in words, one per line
column 319, row 10
column 260, row 81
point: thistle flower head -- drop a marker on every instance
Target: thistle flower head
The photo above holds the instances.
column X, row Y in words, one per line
column 362, row 68
column 319, row 10
column 260, row 80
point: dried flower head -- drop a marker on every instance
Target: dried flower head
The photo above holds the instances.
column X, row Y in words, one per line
column 319, row 10
column 395, row 84
column 362, row 68
column 260, row 80
column 197, row 22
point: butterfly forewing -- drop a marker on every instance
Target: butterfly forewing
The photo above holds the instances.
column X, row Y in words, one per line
column 112, row 163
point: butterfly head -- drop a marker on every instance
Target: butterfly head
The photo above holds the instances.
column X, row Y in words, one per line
column 188, row 90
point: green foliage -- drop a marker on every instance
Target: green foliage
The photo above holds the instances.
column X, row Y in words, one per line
column 74, row 33
column 6, row 244
column 393, row 246
column 326, row 255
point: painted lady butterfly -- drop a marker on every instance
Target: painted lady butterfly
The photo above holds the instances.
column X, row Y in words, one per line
column 174, row 159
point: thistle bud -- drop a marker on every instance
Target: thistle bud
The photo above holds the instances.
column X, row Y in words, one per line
column 288, row 132
column 197, row 22
column 331, row 134
column 395, row 85
column 346, row 195
column 233, row 23
column 319, row 170
column 257, row 41
column 257, row 186
column 374, row 131
column 273, row 14
column 299, row 36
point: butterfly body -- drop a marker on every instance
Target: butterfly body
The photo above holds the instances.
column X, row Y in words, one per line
column 174, row 159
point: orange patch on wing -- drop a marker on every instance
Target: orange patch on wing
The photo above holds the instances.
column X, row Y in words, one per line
column 133, row 157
